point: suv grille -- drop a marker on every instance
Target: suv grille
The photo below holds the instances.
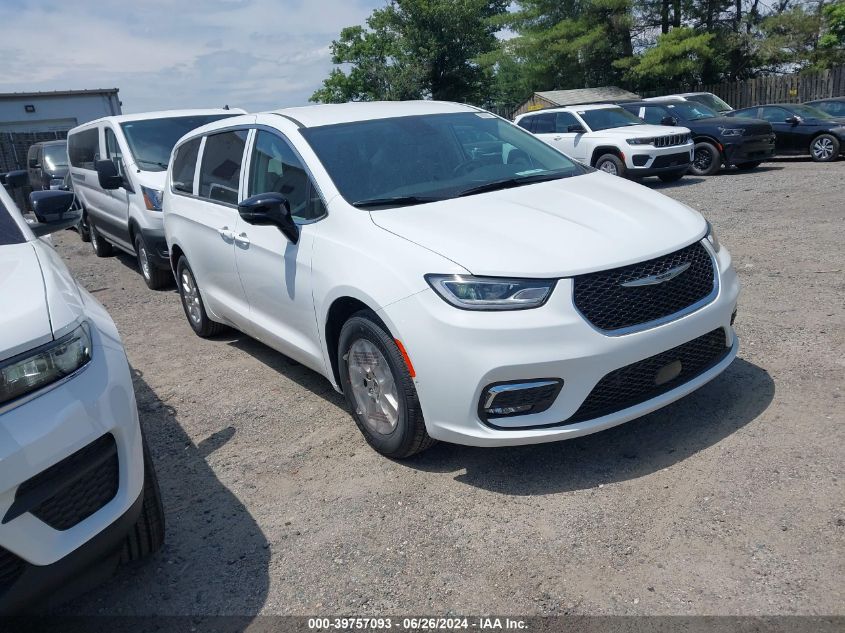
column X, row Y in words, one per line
column 672, row 139
column 638, row 382
column 11, row 567
column 609, row 305
column 74, row 488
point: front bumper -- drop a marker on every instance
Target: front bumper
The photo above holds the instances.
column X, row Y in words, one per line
column 157, row 251
column 650, row 161
column 41, row 432
column 457, row 353
column 749, row 150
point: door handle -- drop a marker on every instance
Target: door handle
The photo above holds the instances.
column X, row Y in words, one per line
column 242, row 239
column 557, row 138
column 226, row 233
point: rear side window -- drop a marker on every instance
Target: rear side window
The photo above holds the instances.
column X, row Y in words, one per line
column 654, row 115
column 527, row 123
column 544, row 124
column 83, row 148
column 220, row 173
column 747, row 114
column 563, row 120
column 185, row 166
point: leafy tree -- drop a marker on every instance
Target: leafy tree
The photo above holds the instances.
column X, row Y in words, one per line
column 677, row 58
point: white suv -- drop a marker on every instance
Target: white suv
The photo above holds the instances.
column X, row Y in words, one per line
column 117, row 167
column 614, row 140
column 78, row 491
column 455, row 277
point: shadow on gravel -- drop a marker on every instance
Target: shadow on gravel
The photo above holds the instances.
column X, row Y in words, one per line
column 635, row 449
column 686, row 181
column 215, row 559
column 757, row 170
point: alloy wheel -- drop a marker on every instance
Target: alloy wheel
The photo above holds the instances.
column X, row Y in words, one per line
column 373, row 387
column 609, row 168
column 144, row 261
column 703, row 159
column 822, row 148
column 191, row 297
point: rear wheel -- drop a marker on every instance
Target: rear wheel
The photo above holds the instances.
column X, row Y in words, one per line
column 707, row 159
column 748, row 166
column 379, row 388
column 192, row 303
column 147, row 535
column 154, row 277
column 611, row 164
column 824, row 148
column 101, row 247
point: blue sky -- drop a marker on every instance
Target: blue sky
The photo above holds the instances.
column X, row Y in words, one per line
column 163, row 54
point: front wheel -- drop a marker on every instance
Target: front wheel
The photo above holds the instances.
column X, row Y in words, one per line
column 747, row 166
column 379, row 388
column 101, row 247
column 707, row 159
column 147, row 535
column 155, row 278
column 824, row 148
column 611, row 164
column 192, row 303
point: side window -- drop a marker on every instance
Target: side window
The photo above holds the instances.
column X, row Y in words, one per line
column 544, row 123
column 113, row 152
column 654, row 115
column 220, row 172
column 747, row 114
column 527, row 123
column 563, row 120
column 185, row 166
column 774, row 115
column 83, row 148
column 276, row 167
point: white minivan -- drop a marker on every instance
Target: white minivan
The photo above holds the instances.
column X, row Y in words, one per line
column 454, row 276
column 117, row 168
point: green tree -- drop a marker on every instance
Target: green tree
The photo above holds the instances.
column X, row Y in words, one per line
column 677, row 58
column 414, row 49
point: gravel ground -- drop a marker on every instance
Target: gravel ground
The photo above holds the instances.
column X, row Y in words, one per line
column 727, row 502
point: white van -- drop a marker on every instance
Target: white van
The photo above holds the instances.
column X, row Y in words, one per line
column 117, row 166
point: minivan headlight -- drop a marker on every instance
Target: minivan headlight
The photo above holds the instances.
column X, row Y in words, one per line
column 44, row 365
column 711, row 237
column 152, row 198
column 491, row 293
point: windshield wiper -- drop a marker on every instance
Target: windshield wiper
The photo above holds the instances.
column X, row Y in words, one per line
column 152, row 162
column 397, row 200
column 507, row 183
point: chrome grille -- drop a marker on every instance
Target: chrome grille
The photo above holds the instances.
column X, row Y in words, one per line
column 671, row 140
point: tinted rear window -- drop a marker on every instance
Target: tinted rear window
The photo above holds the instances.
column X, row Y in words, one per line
column 9, row 231
column 185, row 166
column 221, row 166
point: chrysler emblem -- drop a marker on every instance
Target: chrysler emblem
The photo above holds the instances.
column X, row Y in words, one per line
column 653, row 280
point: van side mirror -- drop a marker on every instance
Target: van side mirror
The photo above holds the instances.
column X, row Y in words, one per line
column 16, row 179
column 668, row 120
column 108, row 175
column 265, row 209
column 576, row 128
column 54, row 211
column 34, row 164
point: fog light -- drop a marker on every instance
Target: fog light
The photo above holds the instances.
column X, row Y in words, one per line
column 520, row 397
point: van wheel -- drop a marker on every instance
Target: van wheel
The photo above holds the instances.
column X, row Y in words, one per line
column 706, row 159
column 611, row 164
column 101, row 247
column 379, row 389
column 192, row 302
column 147, row 535
column 824, row 148
column 83, row 229
column 154, row 277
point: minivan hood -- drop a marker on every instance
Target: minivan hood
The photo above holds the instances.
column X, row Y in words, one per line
column 552, row 229
column 640, row 131
column 26, row 320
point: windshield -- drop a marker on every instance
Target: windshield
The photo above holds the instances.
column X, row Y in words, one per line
column 418, row 159
column 711, row 101
column 809, row 112
column 690, row 111
column 152, row 140
column 9, row 231
column 606, row 118
column 55, row 156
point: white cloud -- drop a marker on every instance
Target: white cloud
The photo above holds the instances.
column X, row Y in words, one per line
column 163, row 54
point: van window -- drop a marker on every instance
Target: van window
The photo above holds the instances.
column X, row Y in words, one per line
column 220, row 173
column 185, row 166
column 113, row 152
column 55, row 156
column 83, row 148
column 276, row 167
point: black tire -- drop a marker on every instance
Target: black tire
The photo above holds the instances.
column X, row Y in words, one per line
column 409, row 436
column 83, row 229
column 154, row 277
column 200, row 323
column 672, row 177
column 101, row 247
column 707, row 159
column 748, row 166
column 824, row 148
column 611, row 164
column 147, row 535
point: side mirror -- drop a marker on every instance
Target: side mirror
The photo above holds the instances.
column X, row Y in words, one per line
column 271, row 208
column 668, row 120
column 793, row 120
column 34, row 164
column 16, row 179
column 107, row 174
column 577, row 129
column 53, row 210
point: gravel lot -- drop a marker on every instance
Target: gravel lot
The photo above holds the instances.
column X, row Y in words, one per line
column 727, row 502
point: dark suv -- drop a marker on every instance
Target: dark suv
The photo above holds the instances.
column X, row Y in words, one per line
column 744, row 143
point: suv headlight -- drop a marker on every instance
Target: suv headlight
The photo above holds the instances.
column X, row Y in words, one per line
column 639, row 141
column 491, row 293
column 44, row 365
column 711, row 237
column 152, row 198
column 731, row 131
